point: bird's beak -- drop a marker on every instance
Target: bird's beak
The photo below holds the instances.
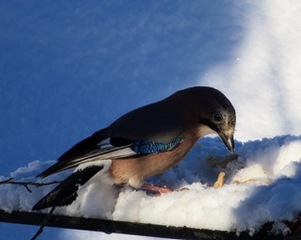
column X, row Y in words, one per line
column 228, row 140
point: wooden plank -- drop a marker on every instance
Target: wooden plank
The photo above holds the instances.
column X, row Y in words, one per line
column 109, row 226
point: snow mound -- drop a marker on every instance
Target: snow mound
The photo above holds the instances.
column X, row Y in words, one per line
column 262, row 185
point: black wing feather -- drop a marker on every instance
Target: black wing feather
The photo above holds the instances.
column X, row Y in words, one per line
column 87, row 149
column 78, row 150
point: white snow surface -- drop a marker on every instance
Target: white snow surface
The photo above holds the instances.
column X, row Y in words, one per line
column 262, row 185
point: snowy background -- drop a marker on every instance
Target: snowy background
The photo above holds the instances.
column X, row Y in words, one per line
column 70, row 68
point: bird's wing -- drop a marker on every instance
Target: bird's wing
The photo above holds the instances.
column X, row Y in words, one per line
column 99, row 147
column 95, row 147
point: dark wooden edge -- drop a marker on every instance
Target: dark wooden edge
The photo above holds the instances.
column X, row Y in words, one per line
column 109, row 226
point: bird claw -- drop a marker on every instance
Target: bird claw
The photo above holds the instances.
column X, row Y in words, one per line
column 155, row 190
column 158, row 191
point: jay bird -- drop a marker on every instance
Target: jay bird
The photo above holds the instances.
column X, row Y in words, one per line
column 144, row 142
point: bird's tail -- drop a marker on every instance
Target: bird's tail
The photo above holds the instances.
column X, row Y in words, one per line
column 66, row 192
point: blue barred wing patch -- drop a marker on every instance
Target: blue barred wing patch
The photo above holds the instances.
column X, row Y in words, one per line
column 149, row 147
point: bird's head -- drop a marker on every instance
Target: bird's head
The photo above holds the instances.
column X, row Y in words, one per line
column 212, row 110
column 219, row 115
column 222, row 121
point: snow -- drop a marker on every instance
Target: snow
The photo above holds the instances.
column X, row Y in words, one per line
column 256, row 190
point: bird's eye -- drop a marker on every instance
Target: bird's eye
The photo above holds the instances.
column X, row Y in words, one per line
column 217, row 117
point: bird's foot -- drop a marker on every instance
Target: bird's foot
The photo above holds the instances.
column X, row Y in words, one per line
column 155, row 190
